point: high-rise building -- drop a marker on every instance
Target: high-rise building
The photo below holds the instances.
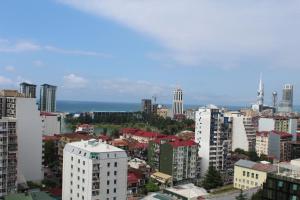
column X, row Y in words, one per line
column 286, row 104
column 48, row 98
column 29, row 133
column 260, row 96
column 8, row 156
column 93, row 170
column 147, row 106
column 214, row 137
column 243, row 131
column 177, row 102
column 28, row 90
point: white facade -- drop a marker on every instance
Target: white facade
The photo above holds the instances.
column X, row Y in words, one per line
column 29, row 130
column 94, row 171
column 243, row 132
column 51, row 123
column 214, row 134
column 266, row 124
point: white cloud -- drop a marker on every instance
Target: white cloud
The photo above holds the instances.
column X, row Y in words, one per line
column 5, row 81
column 20, row 46
column 211, row 32
column 10, row 68
column 73, row 81
column 7, row 46
column 137, row 88
column 75, row 52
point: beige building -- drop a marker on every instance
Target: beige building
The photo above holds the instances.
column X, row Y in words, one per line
column 249, row 174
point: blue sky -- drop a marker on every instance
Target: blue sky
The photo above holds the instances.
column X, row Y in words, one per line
column 125, row 50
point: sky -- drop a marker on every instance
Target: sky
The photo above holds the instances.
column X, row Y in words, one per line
column 126, row 50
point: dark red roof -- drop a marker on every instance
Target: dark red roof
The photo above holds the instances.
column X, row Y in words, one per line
column 56, row 192
column 133, row 178
column 267, row 133
column 78, row 136
column 47, row 114
column 175, row 141
column 51, row 137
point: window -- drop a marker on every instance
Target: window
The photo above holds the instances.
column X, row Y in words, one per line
column 295, row 187
column 83, row 171
column 244, row 173
column 71, row 166
column 71, row 158
column 83, row 189
column 280, row 184
column 83, row 180
column 78, row 169
column 107, row 182
column 77, row 186
column 78, row 161
column 71, row 174
column 116, row 164
column 256, row 176
column 108, row 155
column 115, row 173
column 71, row 191
column 248, row 174
column 115, row 181
column 71, row 182
column 252, row 175
column 78, row 178
column 83, row 162
column 108, row 164
column 107, row 191
column 115, row 190
column 108, row 173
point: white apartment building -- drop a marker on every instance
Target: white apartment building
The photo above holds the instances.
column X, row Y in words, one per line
column 243, row 132
column 214, row 136
column 94, row 171
column 29, row 133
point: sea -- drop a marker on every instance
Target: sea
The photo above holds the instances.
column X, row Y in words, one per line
column 89, row 106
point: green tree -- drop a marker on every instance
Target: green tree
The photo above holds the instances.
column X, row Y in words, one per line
column 253, row 156
column 151, row 187
column 212, row 179
column 241, row 196
column 50, row 153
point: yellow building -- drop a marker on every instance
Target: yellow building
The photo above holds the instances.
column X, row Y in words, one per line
column 248, row 174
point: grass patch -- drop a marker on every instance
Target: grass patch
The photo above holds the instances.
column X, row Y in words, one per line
column 224, row 189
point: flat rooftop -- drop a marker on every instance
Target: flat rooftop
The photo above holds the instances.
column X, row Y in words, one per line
column 95, row 146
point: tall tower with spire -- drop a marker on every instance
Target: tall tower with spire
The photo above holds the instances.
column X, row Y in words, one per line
column 260, row 92
column 260, row 96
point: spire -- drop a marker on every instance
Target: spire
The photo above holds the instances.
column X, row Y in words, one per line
column 260, row 92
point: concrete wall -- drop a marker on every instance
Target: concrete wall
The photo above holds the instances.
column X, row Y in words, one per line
column 239, row 135
column 29, row 131
column 50, row 125
column 266, row 124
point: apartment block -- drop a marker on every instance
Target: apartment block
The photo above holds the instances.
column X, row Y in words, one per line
column 93, row 170
column 175, row 157
column 214, row 138
column 273, row 144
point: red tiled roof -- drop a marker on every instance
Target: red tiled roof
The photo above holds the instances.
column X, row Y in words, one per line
column 119, row 143
column 132, row 178
column 264, row 167
column 141, row 146
column 78, row 136
column 147, row 134
column 267, row 133
column 51, row 137
column 104, row 137
column 56, row 192
column 180, row 143
column 47, row 114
